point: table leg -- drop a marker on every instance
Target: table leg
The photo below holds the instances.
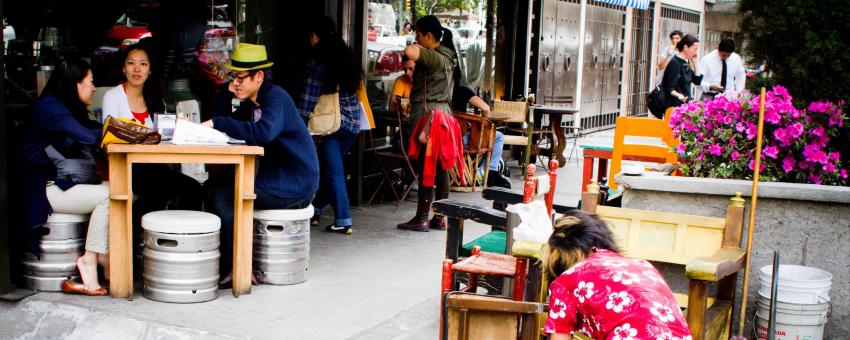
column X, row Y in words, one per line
column 587, row 171
column 120, row 227
column 243, row 226
column 603, row 170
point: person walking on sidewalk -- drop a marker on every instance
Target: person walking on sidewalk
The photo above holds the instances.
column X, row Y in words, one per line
column 435, row 59
column 288, row 174
column 330, row 67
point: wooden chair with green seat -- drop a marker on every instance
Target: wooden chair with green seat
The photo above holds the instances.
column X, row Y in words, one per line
column 708, row 247
column 641, row 127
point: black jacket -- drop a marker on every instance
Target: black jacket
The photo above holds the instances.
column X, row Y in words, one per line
column 678, row 77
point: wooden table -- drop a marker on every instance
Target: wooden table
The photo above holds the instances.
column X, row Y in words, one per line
column 603, row 149
column 121, row 160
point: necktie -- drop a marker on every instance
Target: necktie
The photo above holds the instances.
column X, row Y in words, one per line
column 723, row 75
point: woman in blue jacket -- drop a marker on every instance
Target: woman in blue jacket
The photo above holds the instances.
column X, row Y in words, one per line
column 60, row 119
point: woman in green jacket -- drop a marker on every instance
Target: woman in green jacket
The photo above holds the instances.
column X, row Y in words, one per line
column 436, row 59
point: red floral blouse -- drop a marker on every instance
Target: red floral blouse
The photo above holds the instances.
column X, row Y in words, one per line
column 608, row 296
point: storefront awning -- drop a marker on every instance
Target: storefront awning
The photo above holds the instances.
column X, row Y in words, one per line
column 637, row 4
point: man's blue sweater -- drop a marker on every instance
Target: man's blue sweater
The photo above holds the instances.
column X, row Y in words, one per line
column 290, row 167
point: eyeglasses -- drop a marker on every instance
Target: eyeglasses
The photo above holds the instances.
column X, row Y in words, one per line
column 239, row 79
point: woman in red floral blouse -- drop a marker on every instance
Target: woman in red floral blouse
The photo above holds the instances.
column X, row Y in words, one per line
column 602, row 294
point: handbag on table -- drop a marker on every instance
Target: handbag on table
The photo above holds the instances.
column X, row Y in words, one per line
column 126, row 131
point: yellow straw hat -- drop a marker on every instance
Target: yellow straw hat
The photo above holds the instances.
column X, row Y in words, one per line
column 247, row 57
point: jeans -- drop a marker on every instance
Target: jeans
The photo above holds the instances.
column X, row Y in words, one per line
column 332, row 189
column 498, row 145
column 223, row 208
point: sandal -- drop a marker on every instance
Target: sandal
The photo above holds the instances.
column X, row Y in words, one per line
column 72, row 287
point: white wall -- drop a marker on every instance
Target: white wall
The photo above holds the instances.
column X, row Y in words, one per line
column 694, row 5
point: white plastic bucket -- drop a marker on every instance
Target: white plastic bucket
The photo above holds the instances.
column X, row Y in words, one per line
column 794, row 321
column 797, row 284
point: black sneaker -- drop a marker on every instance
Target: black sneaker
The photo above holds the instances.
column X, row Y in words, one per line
column 314, row 221
column 337, row 229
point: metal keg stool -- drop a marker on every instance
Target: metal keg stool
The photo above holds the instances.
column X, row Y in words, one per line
column 282, row 245
column 63, row 244
column 180, row 256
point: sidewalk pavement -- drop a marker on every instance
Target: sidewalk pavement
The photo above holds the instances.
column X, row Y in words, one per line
column 378, row 283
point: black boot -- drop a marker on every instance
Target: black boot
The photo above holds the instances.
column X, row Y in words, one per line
column 423, row 206
column 496, row 179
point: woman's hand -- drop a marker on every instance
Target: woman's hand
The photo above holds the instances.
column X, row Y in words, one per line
column 208, row 123
column 412, row 51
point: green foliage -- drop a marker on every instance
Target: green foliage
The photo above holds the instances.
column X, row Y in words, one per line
column 426, row 7
column 801, row 43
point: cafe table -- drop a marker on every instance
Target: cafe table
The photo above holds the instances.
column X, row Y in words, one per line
column 602, row 149
column 121, row 159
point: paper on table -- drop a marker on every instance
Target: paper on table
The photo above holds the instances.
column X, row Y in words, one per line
column 186, row 132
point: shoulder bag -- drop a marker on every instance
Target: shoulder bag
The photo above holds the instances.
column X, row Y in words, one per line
column 326, row 118
column 70, row 172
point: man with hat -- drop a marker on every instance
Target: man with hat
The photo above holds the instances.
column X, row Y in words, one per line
column 288, row 174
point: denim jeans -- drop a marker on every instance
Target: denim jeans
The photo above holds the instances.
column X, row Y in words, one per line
column 498, row 145
column 223, row 208
column 332, row 189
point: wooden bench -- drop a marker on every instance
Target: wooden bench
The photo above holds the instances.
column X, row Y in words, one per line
column 708, row 247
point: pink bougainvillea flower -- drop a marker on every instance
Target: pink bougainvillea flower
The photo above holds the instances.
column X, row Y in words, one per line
column 834, row 156
column 829, row 168
column 814, row 178
column 782, row 136
column 735, row 155
column 752, row 131
column 818, row 131
column 843, row 173
column 681, row 149
column 771, row 151
column 814, row 154
column 740, row 127
column 796, row 130
column 772, row 116
column 788, row 164
column 825, row 107
column 753, row 163
column 715, row 149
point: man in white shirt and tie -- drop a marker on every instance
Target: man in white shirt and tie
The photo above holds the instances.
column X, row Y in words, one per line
column 723, row 70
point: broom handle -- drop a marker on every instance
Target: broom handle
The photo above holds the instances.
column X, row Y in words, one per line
column 753, row 205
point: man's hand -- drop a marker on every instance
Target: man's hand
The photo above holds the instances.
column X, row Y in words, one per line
column 208, row 123
column 715, row 88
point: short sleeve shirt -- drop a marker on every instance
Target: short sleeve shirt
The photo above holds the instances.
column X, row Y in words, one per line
column 608, row 296
column 402, row 86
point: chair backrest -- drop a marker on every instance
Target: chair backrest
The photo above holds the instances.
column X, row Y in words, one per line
column 481, row 130
column 543, row 185
column 641, row 127
column 509, row 111
column 667, row 116
column 669, row 237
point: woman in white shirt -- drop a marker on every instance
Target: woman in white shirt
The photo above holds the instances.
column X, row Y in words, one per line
column 139, row 98
column 132, row 99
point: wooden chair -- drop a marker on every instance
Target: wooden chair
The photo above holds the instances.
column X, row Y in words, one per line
column 482, row 134
column 472, row 316
column 708, row 247
column 389, row 160
column 515, row 262
column 641, row 127
column 521, row 129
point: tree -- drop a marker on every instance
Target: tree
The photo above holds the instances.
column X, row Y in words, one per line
column 426, row 7
column 803, row 43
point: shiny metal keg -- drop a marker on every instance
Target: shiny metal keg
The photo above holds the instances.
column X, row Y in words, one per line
column 61, row 246
column 282, row 245
column 181, row 257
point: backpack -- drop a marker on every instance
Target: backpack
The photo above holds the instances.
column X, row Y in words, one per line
column 656, row 103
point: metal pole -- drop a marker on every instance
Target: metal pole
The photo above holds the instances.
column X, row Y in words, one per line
column 5, row 279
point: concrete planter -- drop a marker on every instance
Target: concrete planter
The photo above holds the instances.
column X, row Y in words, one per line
column 808, row 224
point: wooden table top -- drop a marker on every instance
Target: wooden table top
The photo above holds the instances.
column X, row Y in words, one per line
column 168, row 147
column 607, row 144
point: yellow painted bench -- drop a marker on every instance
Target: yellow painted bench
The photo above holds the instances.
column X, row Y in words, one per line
column 708, row 247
